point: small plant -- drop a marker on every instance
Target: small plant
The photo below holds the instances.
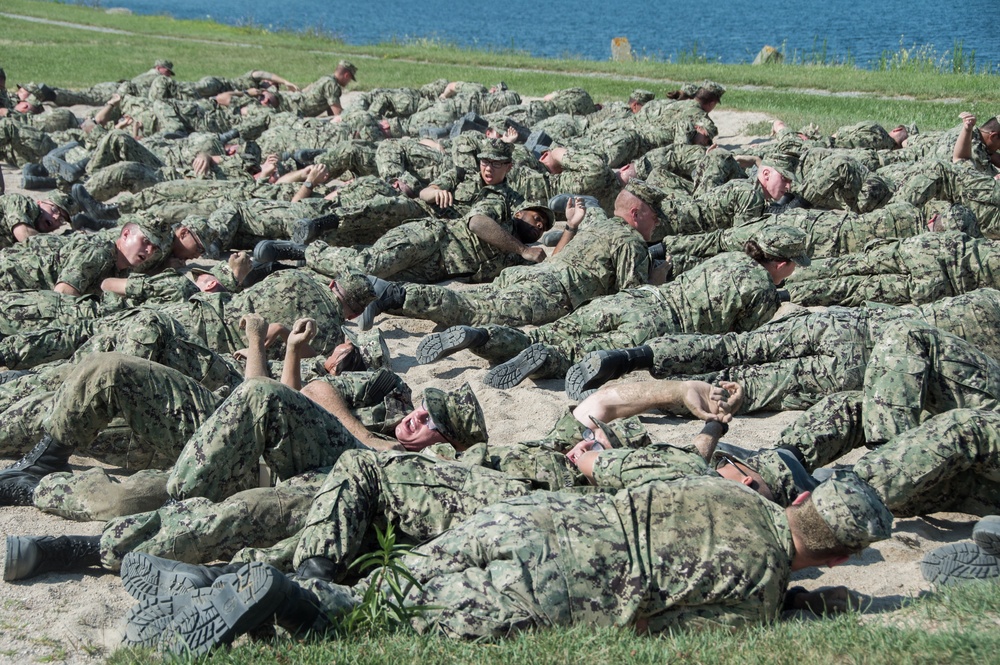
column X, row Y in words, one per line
column 382, row 609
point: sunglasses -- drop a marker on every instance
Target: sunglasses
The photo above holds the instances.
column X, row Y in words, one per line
column 726, row 459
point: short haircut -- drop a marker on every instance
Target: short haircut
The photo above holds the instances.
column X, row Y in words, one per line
column 991, row 125
column 814, row 533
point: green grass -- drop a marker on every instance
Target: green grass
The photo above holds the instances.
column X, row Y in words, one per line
column 907, row 88
column 954, row 626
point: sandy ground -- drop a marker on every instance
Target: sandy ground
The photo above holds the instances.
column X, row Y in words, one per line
column 76, row 618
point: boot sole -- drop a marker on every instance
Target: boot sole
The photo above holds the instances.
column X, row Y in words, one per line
column 584, row 378
column 146, row 622
column 145, row 578
column 229, row 609
column 517, row 369
column 436, row 346
column 957, row 563
column 986, row 534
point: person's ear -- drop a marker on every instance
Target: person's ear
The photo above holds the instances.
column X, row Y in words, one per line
column 747, row 480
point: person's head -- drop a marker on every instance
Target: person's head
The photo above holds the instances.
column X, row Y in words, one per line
column 640, row 98
column 135, row 246
column 842, row 516
column 776, row 473
column 779, row 249
column 354, row 292
column 532, row 220
column 207, row 281
column 53, row 212
column 186, row 244
column 637, row 204
column 708, row 95
column 345, row 72
column 731, row 468
column 495, row 161
column 552, row 158
column 626, row 173
column 454, row 416
column 990, row 131
column 775, row 175
column 899, row 134
column 165, row 67
column 269, row 98
column 359, row 351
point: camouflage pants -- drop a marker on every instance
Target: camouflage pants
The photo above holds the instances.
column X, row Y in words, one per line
column 411, row 252
column 916, row 369
column 515, row 299
column 117, row 146
column 261, row 418
column 21, row 144
column 366, row 223
column 828, row 430
column 851, row 280
column 421, row 496
column 618, row 321
column 199, row 531
column 111, row 180
column 22, row 311
column 948, row 463
column 788, row 364
column 358, row 157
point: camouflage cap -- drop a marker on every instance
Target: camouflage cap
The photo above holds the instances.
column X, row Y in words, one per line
column 497, row 150
column 783, row 163
column 624, row 433
column 647, row 193
column 642, row 96
column 457, row 415
column 371, row 345
column 690, row 89
column 358, row 291
column 783, row 474
column 811, row 131
column 166, row 64
column 60, row 200
column 222, row 272
column 785, row 242
column 542, row 209
column 952, row 217
column 852, row 510
column 712, row 87
column 349, row 66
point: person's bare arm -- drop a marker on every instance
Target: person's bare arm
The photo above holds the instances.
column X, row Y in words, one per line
column 22, row 232
column 114, row 285
column 106, row 112
column 963, row 144
column 487, row 230
column 700, row 399
column 260, row 74
column 442, row 198
column 316, row 174
column 327, row 397
column 255, row 328
column 297, row 345
column 66, row 289
column 575, row 212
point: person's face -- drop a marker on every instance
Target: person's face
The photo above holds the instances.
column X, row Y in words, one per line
column 340, row 352
column 701, row 137
column 134, row 246
column 343, row 77
column 269, row 99
column 935, row 224
column 626, row 173
column 416, row 431
column 644, row 220
column 533, row 218
column 208, row 283
column 22, row 94
column 992, row 141
column 50, row 217
column 775, row 185
column 899, row 134
column 187, row 245
column 708, row 107
column 338, row 290
column 26, row 107
column 164, row 71
column 737, row 472
column 634, row 106
column 492, row 171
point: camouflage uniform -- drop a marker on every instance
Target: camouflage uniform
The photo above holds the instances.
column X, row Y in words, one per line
column 410, row 161
column 21, row 144
column 729, row 292
column 731, row 204
column 16, row 209
column 917, row 270
column 526, row 563
column 957, row 183
column 584, row 172
column 792, row 362
column 606, row 257
column 315, row 99
column 241, row 225
column 46, row 260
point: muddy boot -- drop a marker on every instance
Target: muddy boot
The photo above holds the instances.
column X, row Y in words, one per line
column 145, row 575
column 599, row 367
column 28, row 556
column 237, row 604
column 304, row 231
column 268, row 251
column 518, row 368
column 435, row 346
column 36, row 177
column 92, row 206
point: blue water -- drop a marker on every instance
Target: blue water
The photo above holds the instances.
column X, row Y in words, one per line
column 729, row 32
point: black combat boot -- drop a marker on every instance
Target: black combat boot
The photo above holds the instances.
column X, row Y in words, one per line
column 231, row 135
column 28, row 556
column 36, row 177
column 320, row 568
column 388, row 295
column 435, row 346
column 269, row 251
column 305, row 156
column 56, row 165
column 599, row 367
column 48, row 456
column 92, row 206
column 81, row 221
column 17, row 488
column 304, row 231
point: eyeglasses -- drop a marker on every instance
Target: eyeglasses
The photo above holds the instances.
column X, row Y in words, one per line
column 431, row 425
column 492, row 163
column 726, row 459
